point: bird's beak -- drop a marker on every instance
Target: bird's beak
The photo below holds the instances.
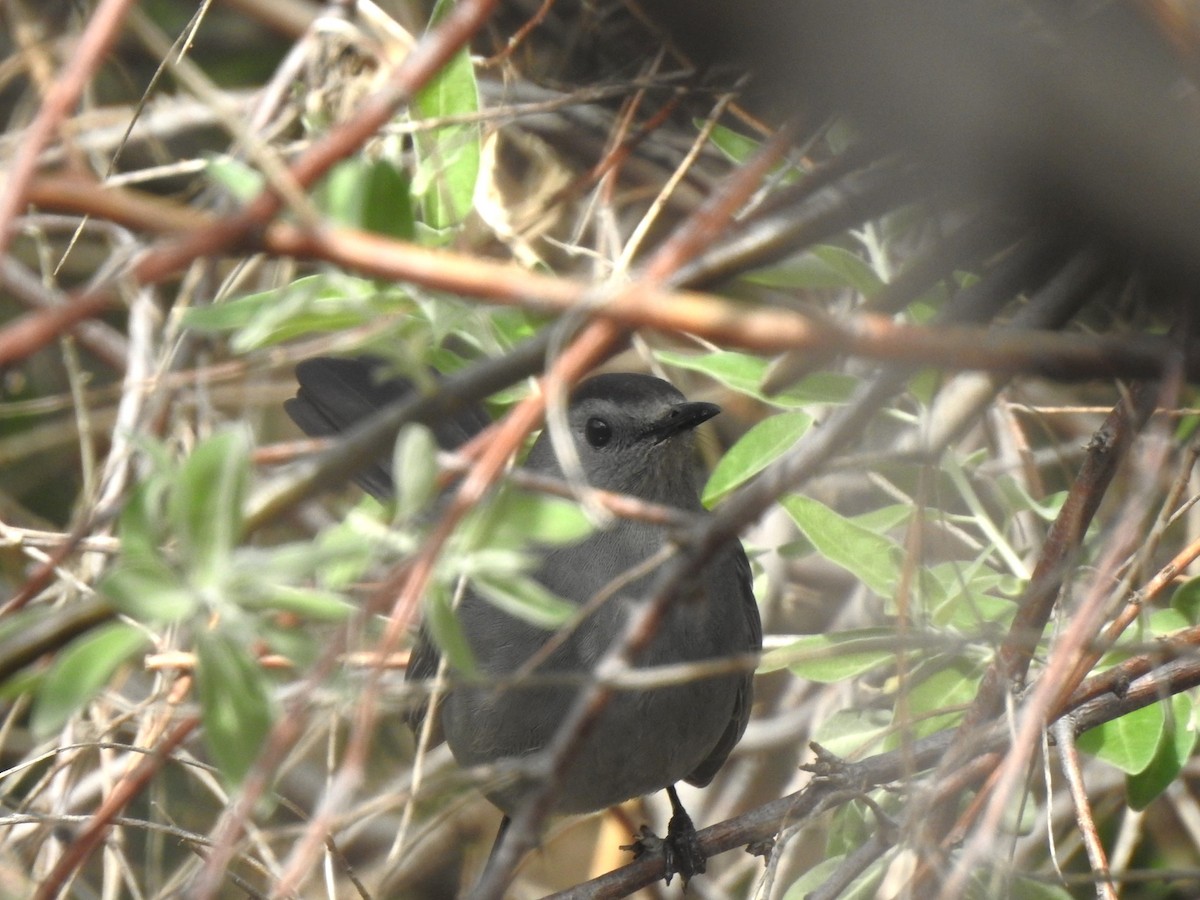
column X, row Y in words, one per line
column 681, row 417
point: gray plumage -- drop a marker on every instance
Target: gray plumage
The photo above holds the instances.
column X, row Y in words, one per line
column 634, row 435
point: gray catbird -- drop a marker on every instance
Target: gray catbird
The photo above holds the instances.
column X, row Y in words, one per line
column 634, row 435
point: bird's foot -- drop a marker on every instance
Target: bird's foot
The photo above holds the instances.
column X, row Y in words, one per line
column 680, row 849
column 829, row 767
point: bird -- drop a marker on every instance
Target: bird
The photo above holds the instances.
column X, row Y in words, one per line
column 634, row 435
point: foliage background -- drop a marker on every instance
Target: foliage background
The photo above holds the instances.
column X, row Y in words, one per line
column 950, row 526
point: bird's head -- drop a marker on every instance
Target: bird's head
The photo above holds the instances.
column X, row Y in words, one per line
column 634, row 435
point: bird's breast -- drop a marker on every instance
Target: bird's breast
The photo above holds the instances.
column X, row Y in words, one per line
column 644, row 739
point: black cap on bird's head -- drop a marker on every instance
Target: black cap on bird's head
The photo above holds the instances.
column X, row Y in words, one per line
column 633, row 434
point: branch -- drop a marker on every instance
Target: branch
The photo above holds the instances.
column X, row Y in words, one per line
column 728, row 322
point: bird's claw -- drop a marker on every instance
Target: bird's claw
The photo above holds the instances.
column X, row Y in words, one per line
column 680, row 849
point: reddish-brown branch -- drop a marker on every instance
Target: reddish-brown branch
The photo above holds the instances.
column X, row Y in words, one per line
column 1064, row 734
column 103, row 26
column 1134, row 606
column 124, row 792
column 518, row 37
column 44, row 574
column 733, row 323
column 643, row 305
column 1012, row 661
column 33, row 331
column 1116, row 681
column 426, row 59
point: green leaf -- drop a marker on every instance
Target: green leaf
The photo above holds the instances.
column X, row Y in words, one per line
column 447, row 633
column 516, row 519
column 936, row 701
column 342, row 554
column 1130, row 742
column 833, row 657
column 316, row 303
column 968, row 596
column 147, row 589
column 850, row 827
column 745, row 374
column 1186, row 600
column 206, row 504
column 544, row 519
column 885, row 518
column 1174, row 747
column 853, row 733
column 80, row 671
column 1164, row 622
column 17, row 626
column 754, row 451
column 740, row 371
column 323, row 606
column 870, row 557
column 370, row 194
column 987, row 884
column 525, row 599
column 300, row 646
column 813, row 878
column 21, row 683
column 821, row 268
column 500, row 561
column 737, row 147
column 1023, row 889
column 142, row 526
column 1186, row 428
column 865, row 886
column 235, row 706
column 925, row 384
column 415, row 469
column 242, row 181
column 449, row 155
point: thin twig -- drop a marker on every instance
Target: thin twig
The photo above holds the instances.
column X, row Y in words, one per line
column 1064, row 735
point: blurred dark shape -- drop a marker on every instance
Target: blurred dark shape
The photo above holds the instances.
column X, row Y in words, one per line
column 1077, row 114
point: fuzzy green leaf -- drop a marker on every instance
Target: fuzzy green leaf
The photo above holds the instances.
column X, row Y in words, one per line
column 447, row 633
column 937, row 700
column 737, row 147
column 235, row 705
column 525, row 599
column 852, row 733
column 865, row 886
column 449, row 155
column 80, row 671
column 316, row 303
column 516, row 519
column 822, row 267
column 206, row 504
column 370, row 194
column 242, row 181
column 147, row 589
column 414, row 468
column 321, row 606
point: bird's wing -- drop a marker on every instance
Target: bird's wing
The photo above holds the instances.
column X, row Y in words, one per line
column 705, row 772
column 422, row 666
column 336, row 394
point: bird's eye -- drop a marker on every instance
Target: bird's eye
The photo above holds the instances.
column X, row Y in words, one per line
column 598, row 432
